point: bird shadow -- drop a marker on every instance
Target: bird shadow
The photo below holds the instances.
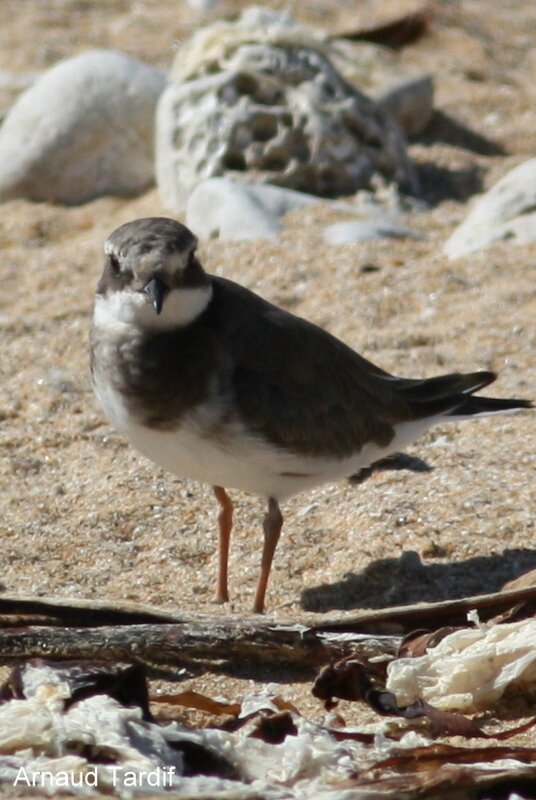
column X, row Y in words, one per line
column 405, row 580
column 393, row 462
column 443, row 129
column 437, row 183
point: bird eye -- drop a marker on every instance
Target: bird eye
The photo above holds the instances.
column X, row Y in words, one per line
column 114, row 263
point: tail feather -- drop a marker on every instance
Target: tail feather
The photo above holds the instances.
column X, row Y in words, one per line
column 486, row 406
column 452, row 396
column 444, row 386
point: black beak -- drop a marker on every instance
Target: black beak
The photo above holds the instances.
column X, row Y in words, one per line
column 156, row 290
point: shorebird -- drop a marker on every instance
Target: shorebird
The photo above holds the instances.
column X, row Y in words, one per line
column 214, row 383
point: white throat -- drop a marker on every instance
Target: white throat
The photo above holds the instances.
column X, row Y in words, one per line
column 181, row 306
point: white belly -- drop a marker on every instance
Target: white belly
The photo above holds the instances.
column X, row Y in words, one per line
column 238, row 460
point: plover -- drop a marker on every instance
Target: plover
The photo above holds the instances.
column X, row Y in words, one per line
column 214, row 383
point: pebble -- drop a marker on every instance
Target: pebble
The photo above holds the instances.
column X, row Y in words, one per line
column 351, row 232
column 506, row 212
column 226, row 209
column 410, row 101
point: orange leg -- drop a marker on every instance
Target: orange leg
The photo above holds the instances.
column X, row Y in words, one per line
column 225, row 520
column 273, row 522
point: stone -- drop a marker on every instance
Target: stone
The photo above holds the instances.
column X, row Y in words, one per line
column 12, row 84
column 261, row 99
column 222, row 208
column 85, row 128
column 506, row 212
column 410, row 101
column 350, row 232
column 203, row 6
column 405, row 93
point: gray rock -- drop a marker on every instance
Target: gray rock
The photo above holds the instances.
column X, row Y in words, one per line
column 12, row 84
column 506, row 212
column 83, row 129
column 203, row 6
column 277, row 200
column 351, row 232
column 222, row 208
column 264, row 99
column 404, row 93
column 410, row 101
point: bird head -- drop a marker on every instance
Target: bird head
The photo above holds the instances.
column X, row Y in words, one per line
column 152, row 278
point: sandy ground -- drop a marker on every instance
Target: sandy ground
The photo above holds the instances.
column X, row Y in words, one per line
column 84, row 516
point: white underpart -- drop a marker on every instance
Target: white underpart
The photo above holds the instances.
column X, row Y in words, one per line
column 252, row 464
column 181, row 306
column 239, row 460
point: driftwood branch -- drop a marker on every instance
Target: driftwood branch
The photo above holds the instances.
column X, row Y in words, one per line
column 215, row 643
column 89, row 630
